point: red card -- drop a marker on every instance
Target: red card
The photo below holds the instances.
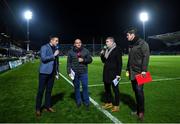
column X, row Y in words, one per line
column 142, row 80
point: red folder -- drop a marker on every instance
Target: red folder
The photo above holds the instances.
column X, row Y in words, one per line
column 143, row 79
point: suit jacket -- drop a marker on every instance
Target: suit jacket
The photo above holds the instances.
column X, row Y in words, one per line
column 112, row 65
column 48, row 60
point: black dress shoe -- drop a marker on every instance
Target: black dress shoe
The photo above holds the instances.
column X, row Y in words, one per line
column 78, row 105
column 87, row 107
column 141, row 116
column 38, row 113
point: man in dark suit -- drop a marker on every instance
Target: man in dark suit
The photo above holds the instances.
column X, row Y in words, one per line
column 49, row 67
column 137, row 64
column 112, row 59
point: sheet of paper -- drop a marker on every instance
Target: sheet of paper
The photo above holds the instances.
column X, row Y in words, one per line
column 116, row 81
column 72, row 74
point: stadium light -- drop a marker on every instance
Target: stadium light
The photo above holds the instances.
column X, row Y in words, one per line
column 28, row 16
column 144, row 17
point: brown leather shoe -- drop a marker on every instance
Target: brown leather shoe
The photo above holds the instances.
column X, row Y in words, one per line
column 107, row 106
column 115, row 109
column 38, row 113
column 49, row 110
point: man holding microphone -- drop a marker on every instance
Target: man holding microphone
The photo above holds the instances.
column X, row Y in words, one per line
column 49, row 68
column 111, row 56
column 77, row 62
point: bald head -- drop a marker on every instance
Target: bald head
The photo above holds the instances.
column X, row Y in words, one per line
column 77, row 43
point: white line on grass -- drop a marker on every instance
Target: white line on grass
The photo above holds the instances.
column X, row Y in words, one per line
column 156, row 80
column 109, row 115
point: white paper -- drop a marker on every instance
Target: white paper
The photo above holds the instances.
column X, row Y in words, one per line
column 72, row 74
column 116, row 81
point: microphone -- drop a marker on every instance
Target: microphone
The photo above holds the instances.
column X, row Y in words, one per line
column 79, row 55
column 57, row 47
column 103, row 49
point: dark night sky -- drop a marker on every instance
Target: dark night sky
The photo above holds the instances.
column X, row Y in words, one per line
column 87, row 18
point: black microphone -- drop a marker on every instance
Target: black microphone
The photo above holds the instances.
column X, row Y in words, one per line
column 57, row 47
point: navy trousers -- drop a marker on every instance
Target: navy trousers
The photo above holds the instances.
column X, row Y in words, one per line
column 46, row 82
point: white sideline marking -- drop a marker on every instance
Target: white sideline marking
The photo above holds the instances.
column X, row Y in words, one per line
column 156, row 80
column 109, row 115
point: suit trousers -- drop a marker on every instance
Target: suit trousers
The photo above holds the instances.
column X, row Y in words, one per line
column 139, row 94
column 108, row 94
column 46, row 82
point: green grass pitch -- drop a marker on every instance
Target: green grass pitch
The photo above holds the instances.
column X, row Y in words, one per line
column 18, row 88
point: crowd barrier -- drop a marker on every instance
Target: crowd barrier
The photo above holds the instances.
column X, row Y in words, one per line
column 13, row 64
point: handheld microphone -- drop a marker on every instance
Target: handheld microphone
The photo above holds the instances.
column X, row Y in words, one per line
column 79, row 55
column 57, row 47
column 103, row 49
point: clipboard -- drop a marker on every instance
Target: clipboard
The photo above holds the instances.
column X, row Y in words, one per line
column 143, row 79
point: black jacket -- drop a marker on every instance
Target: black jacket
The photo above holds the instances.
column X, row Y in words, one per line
column 138, row 57
column 72, row 61
column 112, row 65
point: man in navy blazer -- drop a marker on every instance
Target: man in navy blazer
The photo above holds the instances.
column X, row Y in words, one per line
column 49, row 68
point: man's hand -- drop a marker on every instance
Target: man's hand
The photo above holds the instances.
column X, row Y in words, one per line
column 57, row 76
column 102, row 51
column 80, row 59
column 143, row 74
column 56, row 53
column 118, row 77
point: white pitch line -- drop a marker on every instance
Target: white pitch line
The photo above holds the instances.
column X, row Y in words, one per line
column 109, row 115
column 156, row 80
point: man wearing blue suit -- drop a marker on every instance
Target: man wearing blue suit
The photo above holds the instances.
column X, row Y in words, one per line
column 49, row 67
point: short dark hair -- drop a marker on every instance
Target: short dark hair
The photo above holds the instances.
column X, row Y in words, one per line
column 53, row 36
column 111, row 38
column 131, row 30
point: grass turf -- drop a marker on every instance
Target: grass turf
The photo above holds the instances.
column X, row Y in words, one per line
column 18, row 88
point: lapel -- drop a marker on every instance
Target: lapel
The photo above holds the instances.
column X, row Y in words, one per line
column 50, row 49
column 111, row 53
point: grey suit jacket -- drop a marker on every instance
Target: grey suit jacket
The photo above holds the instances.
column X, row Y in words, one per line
column 47, row 60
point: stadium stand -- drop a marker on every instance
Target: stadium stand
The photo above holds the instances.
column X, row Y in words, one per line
column 12, row 54
column 165, row 44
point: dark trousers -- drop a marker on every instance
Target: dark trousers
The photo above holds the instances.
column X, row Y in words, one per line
column 139, row 94
column 83, row 78
column 46, row 82
column 108, row 94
